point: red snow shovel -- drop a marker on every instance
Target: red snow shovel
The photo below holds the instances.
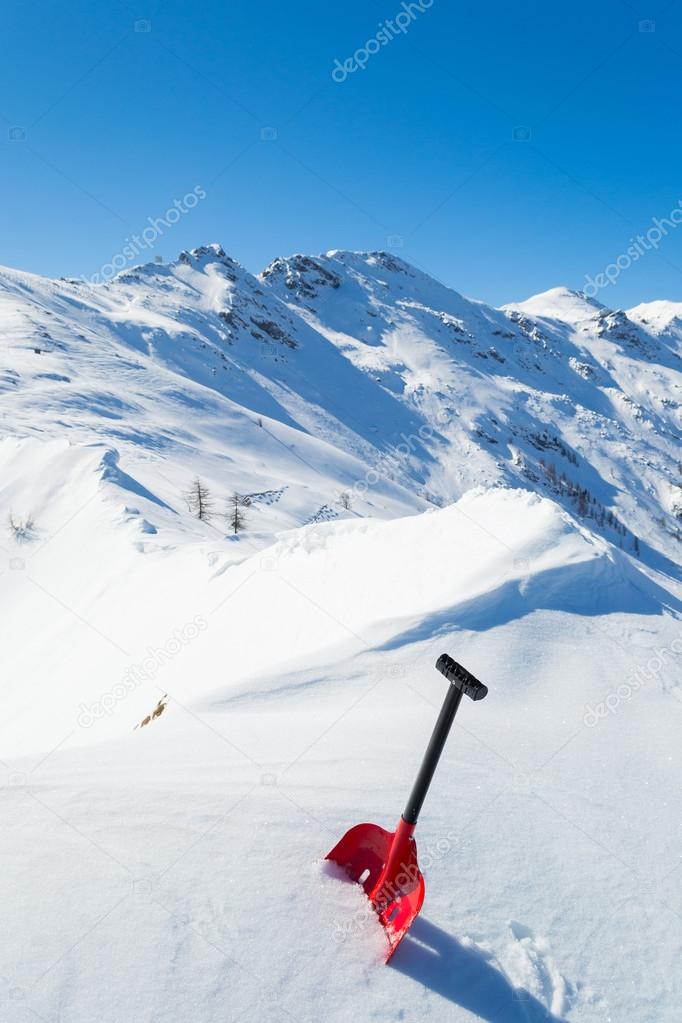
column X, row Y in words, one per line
column 385, row 862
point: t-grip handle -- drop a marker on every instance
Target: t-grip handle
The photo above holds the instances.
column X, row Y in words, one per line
column 461, row 678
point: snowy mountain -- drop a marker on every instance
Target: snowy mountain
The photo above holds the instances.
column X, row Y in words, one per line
column 557, row 394
column 190, row 718
column 325, row 369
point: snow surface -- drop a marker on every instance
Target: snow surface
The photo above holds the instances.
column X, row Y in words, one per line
column 560, row 304
column 173, row 870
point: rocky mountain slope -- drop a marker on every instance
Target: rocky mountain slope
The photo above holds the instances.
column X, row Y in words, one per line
column 353, row 373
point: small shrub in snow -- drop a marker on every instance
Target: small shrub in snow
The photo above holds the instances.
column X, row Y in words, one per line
column 21, row 529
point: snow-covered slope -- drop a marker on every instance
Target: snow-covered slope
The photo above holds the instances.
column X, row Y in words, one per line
column 558, row 393
column 190, row 718
column 351, row 373
column 294, row 691
column 318, row 589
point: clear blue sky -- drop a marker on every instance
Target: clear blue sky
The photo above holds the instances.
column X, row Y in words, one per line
column 104, row 124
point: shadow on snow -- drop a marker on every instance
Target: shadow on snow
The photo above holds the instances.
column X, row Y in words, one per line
column 464, row 977
column 589, row 588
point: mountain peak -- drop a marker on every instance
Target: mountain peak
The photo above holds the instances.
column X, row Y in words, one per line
column 559, row 304
column 297, row 270
column 379, row 257
column 658, row 314
column 205, row 254
column 300, row 274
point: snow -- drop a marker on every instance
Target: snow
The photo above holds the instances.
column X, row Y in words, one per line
column 173, row 870
column 559, row 304
column 662, row 319
column 659, row 314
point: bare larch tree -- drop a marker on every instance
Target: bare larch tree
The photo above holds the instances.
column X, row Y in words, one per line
column 199, row 500
column 236, row 515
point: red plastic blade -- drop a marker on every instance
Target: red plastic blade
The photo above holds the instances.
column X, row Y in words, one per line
column 385, row 864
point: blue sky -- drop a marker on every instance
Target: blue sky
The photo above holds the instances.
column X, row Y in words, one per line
column 504, row 148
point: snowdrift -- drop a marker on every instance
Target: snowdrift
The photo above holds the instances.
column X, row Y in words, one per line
column 113, row 598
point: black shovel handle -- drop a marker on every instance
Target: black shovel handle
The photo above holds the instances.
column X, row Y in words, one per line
column 463, row 683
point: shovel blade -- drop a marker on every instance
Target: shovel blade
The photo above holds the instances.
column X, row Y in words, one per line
column 385, row 864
